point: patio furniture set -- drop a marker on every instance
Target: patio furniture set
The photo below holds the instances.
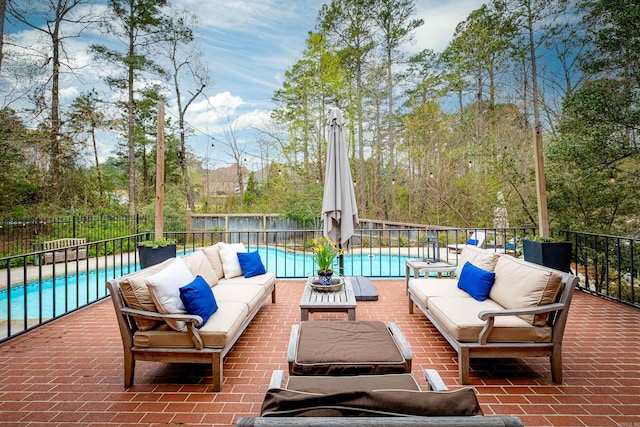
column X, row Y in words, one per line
column 521, row 314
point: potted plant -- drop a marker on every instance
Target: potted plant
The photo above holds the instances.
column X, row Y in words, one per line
column 325, row 252
column 549, row 252
column 153, row 252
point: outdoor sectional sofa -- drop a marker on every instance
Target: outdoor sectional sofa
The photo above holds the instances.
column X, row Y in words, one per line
column 524, row 313
column 153, row 329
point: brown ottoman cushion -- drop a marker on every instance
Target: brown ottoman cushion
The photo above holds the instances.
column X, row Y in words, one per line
column 289, row 403
column 347, row 348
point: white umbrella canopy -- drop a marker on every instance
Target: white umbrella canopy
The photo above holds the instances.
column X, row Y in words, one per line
column 339, row 209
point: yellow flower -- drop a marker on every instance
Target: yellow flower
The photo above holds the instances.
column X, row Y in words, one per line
column 325, row 252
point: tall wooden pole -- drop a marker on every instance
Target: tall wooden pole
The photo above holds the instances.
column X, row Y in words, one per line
column 541, row 182
column 160, row 172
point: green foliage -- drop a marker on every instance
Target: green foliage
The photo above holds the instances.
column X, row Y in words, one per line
column 425, row 160
column 594, row 163
column 304, row 206
column 155, row 244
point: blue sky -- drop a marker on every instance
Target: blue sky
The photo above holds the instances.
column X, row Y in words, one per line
column 248, row 45
column 251, row 43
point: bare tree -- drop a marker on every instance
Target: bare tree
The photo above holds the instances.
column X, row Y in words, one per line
column 57, row 15
column 185, row 66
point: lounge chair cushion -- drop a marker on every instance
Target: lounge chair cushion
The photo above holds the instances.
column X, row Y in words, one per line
column 476, row 281
column 424, row 289
column 251, row 264
column 199, row 264
column 521, row 284
column 165, row 290
column 220, row 329
column 479, row 257
column 229, row 257
column 213, row 255
column 265, row 280
column 290, row 403
column 198, row 299
column 342, row 349
column 248, row 294
column 459, row 316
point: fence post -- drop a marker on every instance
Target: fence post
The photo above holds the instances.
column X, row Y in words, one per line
column 189, row 213
column 74, row 227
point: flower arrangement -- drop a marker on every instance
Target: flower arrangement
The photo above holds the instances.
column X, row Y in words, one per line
column 325, row 252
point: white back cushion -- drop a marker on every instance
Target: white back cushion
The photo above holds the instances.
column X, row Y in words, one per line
column 164, row 287
column 229, row 257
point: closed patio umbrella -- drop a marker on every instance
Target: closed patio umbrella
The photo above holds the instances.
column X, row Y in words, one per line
column 339, row 209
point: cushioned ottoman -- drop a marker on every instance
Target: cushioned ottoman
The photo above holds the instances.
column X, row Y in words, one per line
column 348, row 348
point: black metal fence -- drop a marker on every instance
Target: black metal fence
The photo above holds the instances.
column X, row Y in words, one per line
column 19, row 237
column 33, row 294
column 608, row 266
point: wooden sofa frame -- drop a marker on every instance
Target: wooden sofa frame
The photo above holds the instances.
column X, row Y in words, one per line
column 197, row 354
column 434, row 383
column 482, row 349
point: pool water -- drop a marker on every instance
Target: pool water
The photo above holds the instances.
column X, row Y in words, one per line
column 48, row 299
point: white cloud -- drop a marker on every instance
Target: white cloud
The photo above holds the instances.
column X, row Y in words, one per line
column 69, row 93
column 249, row 15
column 256, row 119
column 215, row 112
column 440, row 21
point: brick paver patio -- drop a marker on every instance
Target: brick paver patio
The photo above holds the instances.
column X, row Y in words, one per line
column 69, row 372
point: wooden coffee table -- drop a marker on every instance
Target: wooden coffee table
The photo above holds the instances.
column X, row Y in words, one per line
column 343, row 300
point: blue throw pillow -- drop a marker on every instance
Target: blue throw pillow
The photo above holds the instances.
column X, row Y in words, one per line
column 198, row 298
column 472, row 242
column 251, row 264
column 476, row 281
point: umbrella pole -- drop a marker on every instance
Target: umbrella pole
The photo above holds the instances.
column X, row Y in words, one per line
column 341, row 260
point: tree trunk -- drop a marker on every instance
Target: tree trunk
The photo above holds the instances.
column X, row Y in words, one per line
column 55, row 168
column 130, row 119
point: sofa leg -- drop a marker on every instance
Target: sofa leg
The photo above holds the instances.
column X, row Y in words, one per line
column 129, row 369
column 463, row 365
column 410, row 306
column 556, row 364
column 216, row 370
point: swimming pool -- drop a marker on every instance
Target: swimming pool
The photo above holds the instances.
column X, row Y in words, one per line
column 48, row 299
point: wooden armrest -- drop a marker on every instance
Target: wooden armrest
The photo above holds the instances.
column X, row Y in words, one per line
column 491, row 421
column 192, row 321
column 277, row 379
column 547, row 308
column 151, row 315
column 405, row 348
column 489, row 316
column 293, row 343
column 434, row 380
